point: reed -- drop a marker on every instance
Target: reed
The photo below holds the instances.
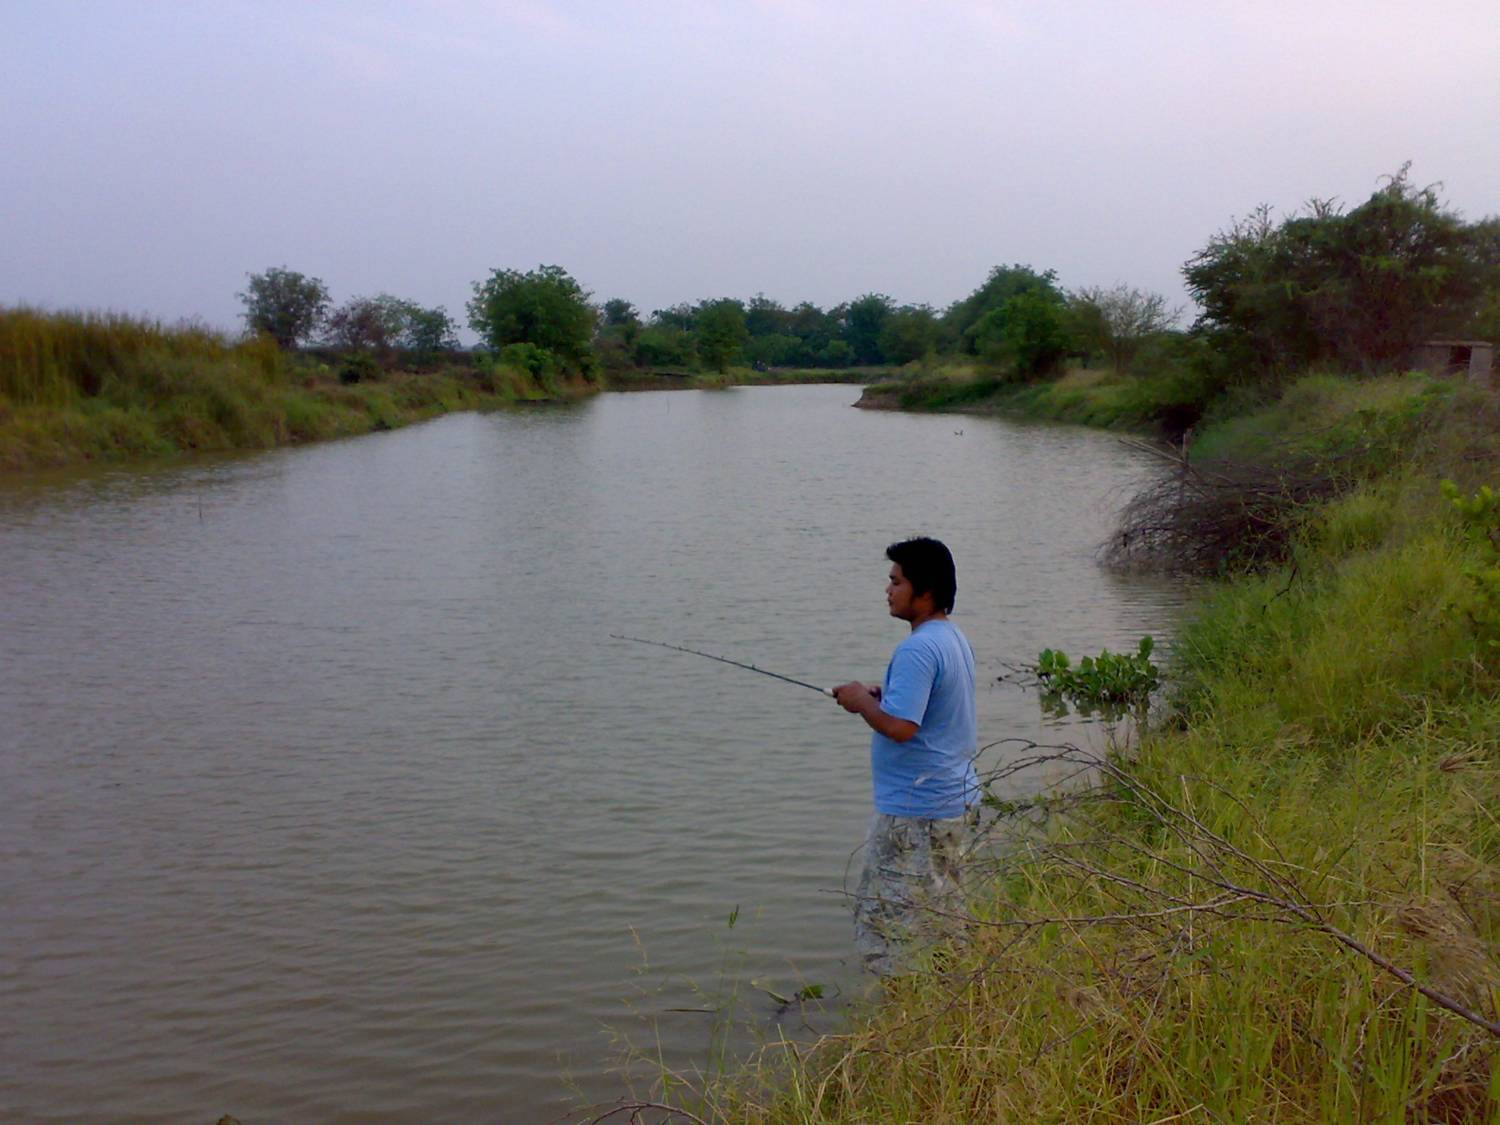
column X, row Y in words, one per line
column 77, row 387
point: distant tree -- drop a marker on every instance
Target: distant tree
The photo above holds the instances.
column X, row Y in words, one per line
column 619, row 330
column 721, row 332
column 1028, row 333
column 816, row 329
column 1359, row 289
column 775, row 350
column 620, row 322
column 620, row 313
column 765, row 317
column 836, row 353
column 680, row 316
column 909, row 333
column 429, row 330
column 1118, row 320
column 664, row 345
column 374, row 324
column 543, row 307
column 864, row 318
column 285, row 305
column 962, row 320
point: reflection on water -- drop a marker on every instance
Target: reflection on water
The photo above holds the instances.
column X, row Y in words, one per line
column 327, row 795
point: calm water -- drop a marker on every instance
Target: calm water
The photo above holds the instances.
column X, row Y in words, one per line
column 324, row 794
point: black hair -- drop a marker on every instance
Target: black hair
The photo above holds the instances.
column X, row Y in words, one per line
column 928, row 566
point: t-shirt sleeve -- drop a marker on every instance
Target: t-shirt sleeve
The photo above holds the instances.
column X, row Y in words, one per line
column 909, row 683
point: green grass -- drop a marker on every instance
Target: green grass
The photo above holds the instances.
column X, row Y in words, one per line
column 77, row 388
column 1331, row 745
column 1167, row 403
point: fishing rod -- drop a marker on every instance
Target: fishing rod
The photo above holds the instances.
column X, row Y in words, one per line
column 723, row 660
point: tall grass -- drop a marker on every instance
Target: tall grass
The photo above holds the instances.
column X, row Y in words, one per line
column 82, row 387
column 1215, row 931
column 1167, row 403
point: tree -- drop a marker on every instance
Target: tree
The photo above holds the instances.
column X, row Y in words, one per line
column 909, row 334
column 961, row 322
column 373, row 324
column 619, row 330
column 429, row 330
column 721, row 332
column 1117, row 321
column 765, row 317
column 681, row 316
column 664, row 345
column 863, row 320
column 775, row 350
column 1360, row 289
column 544, row 307
column 620, row 321
column 816, row 329
column 1028, row 333
column 285, row 305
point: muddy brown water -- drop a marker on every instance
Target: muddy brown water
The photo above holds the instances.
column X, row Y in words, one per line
column 325, row 795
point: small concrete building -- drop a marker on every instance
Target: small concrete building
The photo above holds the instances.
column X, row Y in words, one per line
column 1475, row 358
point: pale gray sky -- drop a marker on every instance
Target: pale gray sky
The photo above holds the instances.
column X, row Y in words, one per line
column 154, row 153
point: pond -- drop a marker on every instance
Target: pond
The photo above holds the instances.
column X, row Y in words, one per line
column 327, row 795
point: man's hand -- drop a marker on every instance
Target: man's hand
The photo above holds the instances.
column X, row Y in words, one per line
column 857, row 698
column 864, row 700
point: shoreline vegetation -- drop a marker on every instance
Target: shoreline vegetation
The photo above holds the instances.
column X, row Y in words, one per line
column 1282, row 901
column 81, row 388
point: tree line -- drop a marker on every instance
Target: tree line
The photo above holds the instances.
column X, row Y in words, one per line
column 1357, row 288
column 1019, row 317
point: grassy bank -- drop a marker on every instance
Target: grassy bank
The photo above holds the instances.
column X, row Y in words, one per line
column 1284, row 903
column 1166, row 403
column 80, row 388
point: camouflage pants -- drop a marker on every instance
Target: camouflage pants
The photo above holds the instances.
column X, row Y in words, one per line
column 910, row 889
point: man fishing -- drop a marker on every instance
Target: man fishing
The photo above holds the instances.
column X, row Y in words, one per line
column 921, row 761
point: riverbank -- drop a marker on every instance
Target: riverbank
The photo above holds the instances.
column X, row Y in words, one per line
column 685, row 378
column 1165, row 404
column 81, row 388
column 1284, row 904
column 76, row 389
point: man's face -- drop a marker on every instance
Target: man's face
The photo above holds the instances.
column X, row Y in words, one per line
column 898, row 594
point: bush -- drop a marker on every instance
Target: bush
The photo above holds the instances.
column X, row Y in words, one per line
column 544, row 307
column 358, row 368
column 539, row 363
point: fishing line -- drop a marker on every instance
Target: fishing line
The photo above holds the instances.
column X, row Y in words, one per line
column 723, row 660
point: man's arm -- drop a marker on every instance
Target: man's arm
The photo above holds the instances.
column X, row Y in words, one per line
column 864, row 700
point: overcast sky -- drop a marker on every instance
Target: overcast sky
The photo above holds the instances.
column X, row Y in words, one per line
column 154, row 153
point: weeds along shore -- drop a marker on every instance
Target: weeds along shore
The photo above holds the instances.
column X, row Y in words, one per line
column 1284, row 903
column 78, row 388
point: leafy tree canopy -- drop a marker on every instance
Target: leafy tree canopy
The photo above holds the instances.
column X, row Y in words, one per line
column 1028, row 333
column 1358, row 288
column 1003, row 283
column 429, row 330
column 909, row 334
column 544, row 307
column 721, row 332
column 864, row 318
column 368, row 323
column 285, row 305
column 1118, row 320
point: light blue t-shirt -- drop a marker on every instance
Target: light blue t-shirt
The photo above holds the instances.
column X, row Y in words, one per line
column 930, row 682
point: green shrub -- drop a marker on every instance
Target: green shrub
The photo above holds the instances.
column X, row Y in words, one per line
column 358, row 367
column 537, row 362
